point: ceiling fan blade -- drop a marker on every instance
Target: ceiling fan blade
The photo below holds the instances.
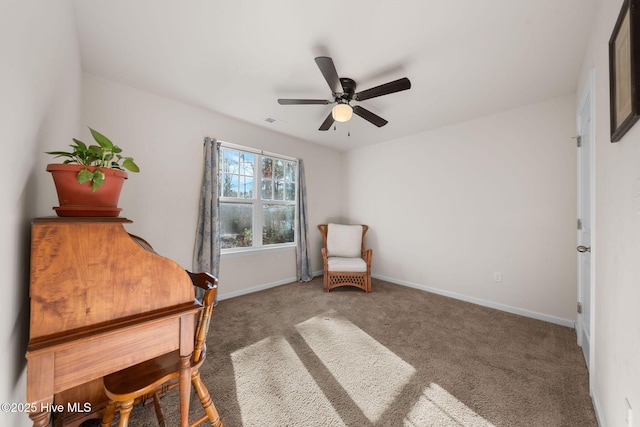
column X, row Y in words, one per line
column 303, row 101
column 369, row 116
column 327, row 122
column 385, row 89
column 329, row 72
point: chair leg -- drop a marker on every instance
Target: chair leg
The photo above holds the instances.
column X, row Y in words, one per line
column 109, row 412
column 125, row 411
column 205, row 399
column 158, row 408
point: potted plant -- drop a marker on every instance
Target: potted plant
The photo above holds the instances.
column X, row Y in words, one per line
column 89, row 181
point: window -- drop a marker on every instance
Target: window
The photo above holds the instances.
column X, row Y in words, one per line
column 257, row 200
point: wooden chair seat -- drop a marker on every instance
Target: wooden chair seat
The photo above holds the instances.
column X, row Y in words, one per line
column 143, row 378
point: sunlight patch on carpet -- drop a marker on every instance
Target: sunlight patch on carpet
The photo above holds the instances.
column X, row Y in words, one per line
column 275, row 389
column 372, row 375
column 438, row 408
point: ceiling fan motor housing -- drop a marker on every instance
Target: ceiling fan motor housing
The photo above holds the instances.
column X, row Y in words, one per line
column 349, row 88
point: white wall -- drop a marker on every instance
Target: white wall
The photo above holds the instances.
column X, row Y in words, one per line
column 40, row 86
column 449, row 207
column 165, row 137
column 616, row 245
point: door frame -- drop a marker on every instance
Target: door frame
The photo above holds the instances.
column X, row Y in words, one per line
column 588, row 95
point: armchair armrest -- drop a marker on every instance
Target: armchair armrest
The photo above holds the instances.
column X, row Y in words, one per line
column 366, row 256
column 324, row 257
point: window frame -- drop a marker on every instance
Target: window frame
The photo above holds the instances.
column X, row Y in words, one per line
column 257, row 202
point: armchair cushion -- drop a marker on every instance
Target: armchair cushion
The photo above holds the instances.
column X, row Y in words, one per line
column 344, row 241
column 347, row 265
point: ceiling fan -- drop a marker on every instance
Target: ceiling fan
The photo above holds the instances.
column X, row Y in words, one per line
column 343, row 91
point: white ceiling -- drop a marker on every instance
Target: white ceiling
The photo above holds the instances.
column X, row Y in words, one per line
column 465, row 58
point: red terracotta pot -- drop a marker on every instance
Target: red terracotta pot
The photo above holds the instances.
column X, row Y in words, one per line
column 78, row 200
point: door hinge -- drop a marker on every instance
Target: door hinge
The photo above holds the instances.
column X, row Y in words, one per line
column 579, row 308
column 579, row 141
column 579, row 224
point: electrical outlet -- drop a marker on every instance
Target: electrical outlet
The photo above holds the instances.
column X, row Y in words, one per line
column 497, row 277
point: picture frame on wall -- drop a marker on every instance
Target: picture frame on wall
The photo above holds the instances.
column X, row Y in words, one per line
column 624, row 84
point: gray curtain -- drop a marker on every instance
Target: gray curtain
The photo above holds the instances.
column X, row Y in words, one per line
column 206, row 254
column 303, row 262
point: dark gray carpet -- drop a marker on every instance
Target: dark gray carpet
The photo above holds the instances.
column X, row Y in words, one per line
column 296, row 356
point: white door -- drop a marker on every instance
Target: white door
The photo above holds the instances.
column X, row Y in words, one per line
column 585, row 188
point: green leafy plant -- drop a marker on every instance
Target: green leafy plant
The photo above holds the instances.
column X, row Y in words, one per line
column 104, row 155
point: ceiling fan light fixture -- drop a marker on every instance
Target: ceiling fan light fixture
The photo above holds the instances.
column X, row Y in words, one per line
column 342, row 112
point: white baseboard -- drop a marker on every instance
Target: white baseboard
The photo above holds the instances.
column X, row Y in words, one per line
column 262, row 287
column 596, row 408
column 484, row 303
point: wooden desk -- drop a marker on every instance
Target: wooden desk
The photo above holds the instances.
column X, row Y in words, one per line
column 100, row 302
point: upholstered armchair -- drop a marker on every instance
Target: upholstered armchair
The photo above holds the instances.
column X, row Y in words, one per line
column 346, row 261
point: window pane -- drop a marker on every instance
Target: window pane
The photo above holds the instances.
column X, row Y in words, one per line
column 278, row 190
column 278, row 224
column 230, row 161
column 246, row 187
column 290, row 172
column 278, row 170
column 267, row 189
column 236, row 221
column 229, row 185
column 290, row 191
column 246, row 164
column 267, row 167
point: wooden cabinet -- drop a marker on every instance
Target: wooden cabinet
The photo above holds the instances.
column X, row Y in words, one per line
column 100, row 302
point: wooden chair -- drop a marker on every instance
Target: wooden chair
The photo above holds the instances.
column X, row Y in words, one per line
column 146, row 380
column 346, row 261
